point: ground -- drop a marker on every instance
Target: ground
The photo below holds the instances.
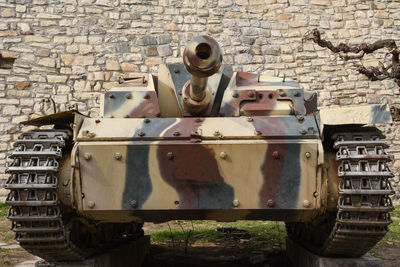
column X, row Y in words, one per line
column 199, row 243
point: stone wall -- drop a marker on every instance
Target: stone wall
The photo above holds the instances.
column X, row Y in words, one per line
column 74, row 50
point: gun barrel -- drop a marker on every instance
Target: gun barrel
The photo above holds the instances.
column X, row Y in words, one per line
column 202, row 58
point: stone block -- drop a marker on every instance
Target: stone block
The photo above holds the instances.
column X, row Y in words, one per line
column 36, row 39
column 48, row 62
column 7, row 12
column 57, row 78
column 112, row 64
column 127, row 67
column 301, row 257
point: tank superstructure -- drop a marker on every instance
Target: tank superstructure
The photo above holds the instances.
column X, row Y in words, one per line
column 200, row 141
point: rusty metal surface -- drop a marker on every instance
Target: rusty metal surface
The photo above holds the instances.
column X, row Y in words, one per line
column 65, row 117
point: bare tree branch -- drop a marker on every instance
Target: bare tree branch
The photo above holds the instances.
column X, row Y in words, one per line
column 347, row 52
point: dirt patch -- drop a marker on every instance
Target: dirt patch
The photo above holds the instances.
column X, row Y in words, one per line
column 10, row 252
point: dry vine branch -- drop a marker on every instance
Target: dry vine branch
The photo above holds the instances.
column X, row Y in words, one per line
column 346, row 52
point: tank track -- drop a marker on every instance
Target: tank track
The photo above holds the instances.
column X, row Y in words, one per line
column 40, row 222
column 362, row 216
column 35, row 211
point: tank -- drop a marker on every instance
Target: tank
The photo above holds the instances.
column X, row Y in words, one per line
column 200, row 141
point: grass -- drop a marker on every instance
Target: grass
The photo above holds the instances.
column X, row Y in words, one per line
column 392, row 238
column 206, row 231
column 3, row 211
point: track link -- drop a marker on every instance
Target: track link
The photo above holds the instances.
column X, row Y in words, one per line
column 364, row 203
column 35, row 212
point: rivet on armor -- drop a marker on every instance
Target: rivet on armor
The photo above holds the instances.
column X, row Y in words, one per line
column 97, row 121
column 308, row 154
column 281, row 92
column 146, row 96
column 235, row 94
column 170, row 155
column 128, row 96
column 87, row 156
column 222, row 155
column 117, row 156
column 217, row 133
column 250, row 94
column 177, row 133
column 275, row 154
column 306, row 203
column 146, row 120
column 176, row 71
column 111, row 96
column 142, row 134
column 91, row 135
column 133, row 204
column 300, row 118
column 257, row 133
column 297, row 93
column 236, row 203
column 250, row 119
column 198, row 120
column 270, row 203
column 303, row 132
column 91, row 204
column 176, row 202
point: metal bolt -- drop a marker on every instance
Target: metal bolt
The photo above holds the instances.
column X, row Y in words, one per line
column 235, row 94
column 111, row 96
column 297, row 93
column 170, row 155
column 176, row 133
column 222, row 155
column 91, row 135
column 281, row 92
column 236, row 203
column 128, row 96
column 217, row 133
column 303, row 132
column 270, row 203
column 91, row 204
column 257, row 133
column 308, row 154
column 275, row 154
column 87, row 156
column 306, row 203
column 250, row 119
column 133, row 203
column 184, row 98
column 97, row 121
column 300, row 118
column 250, row 94
column 146, row 96
column 117, row 156
column 142, row 134
column 176, row 202
column 176, row 71
column 146, row 120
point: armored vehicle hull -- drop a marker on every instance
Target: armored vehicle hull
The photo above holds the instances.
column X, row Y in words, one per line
column 217, row 145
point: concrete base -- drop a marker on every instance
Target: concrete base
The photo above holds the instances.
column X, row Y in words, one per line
column 300, row 257
column 131, row 254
